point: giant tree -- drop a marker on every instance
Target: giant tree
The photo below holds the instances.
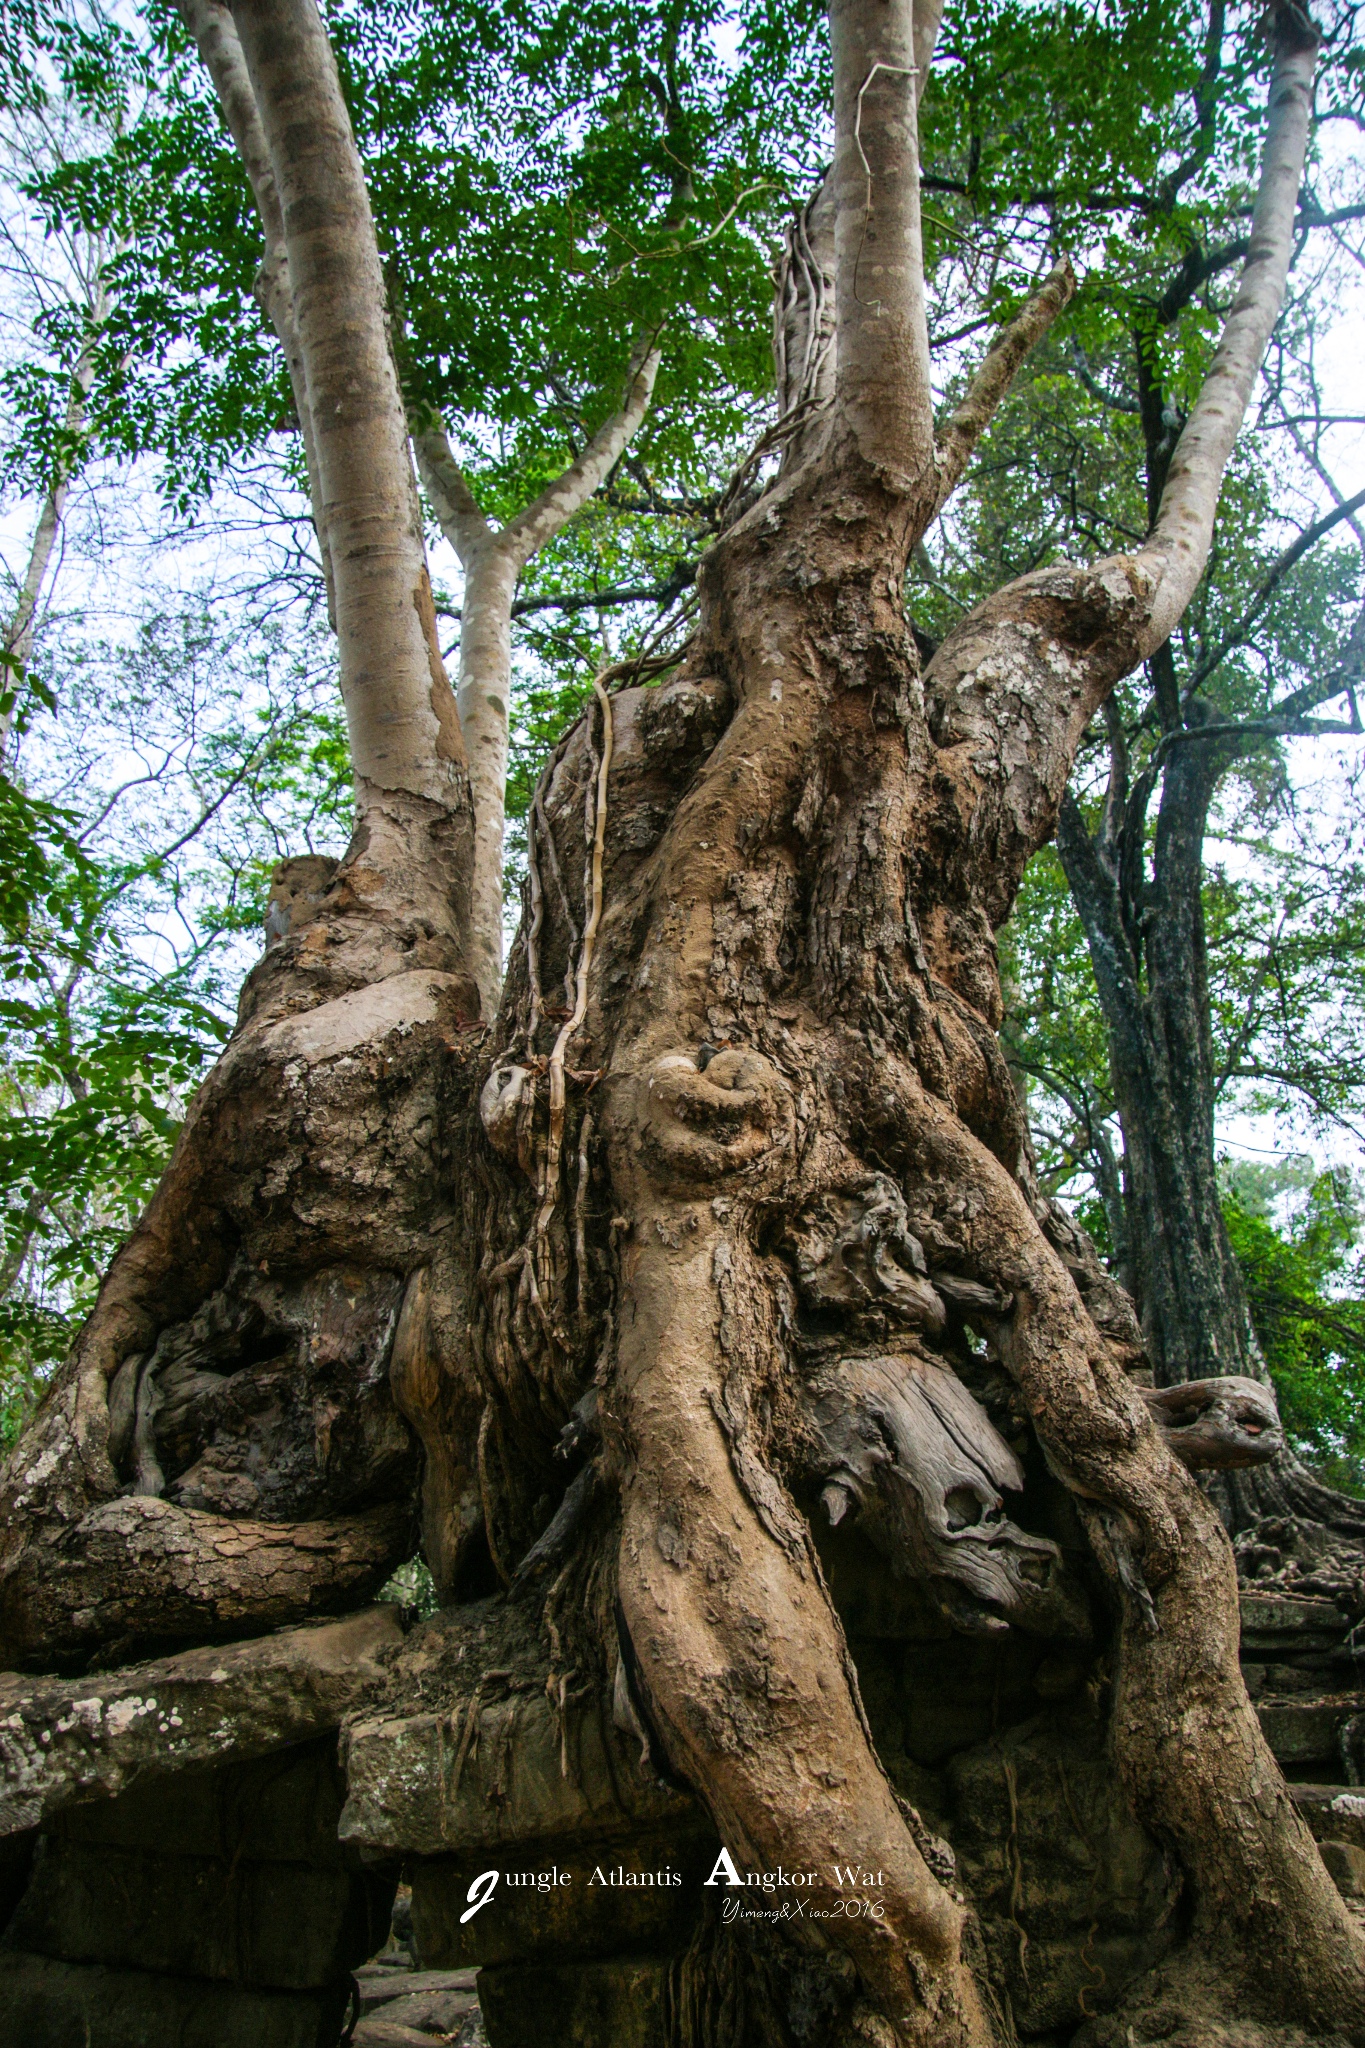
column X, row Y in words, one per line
column 738, row 1223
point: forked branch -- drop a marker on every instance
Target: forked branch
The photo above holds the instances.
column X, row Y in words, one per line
column 492, row 561
column 558, row 502
column 458, row 511
column 456, row 508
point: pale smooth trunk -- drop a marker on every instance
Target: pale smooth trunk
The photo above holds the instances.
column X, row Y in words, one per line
column 483, row 694
column 19, row 638
column 399, row 708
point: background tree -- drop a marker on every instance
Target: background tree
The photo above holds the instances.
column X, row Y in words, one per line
column 1268, row 648
column 1283, row 951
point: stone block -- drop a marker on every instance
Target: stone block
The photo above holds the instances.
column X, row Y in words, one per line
column 63, row 1740
column 620, row 2001
column 429, row 2012
column 283, row 1808
column 380, row 2032
column 1075, row 1898
column 1307, row 1731
column 16, row 1860
column 1345, row 1866
column 380, row 1985
column 416, row 1786
column 1285, row 1625
column 270, row 1925
column 51, row 2004
column 611, row 1899
column 1333, row 1812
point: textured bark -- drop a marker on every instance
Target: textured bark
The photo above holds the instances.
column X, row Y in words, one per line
column 244, row 1333
column 749, row 1218
column 792, row 989
column 251, row 1313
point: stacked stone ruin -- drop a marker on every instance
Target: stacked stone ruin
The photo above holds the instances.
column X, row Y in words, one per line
column 204, row 1849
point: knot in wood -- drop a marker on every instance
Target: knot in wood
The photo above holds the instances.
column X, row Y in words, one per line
column 736, row 1117
column 1219, row 1424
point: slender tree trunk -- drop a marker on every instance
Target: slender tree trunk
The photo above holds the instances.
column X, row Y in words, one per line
column 493, row 561
column 1152, row 981
column 1147, row 949
column 19, row 633
column 483, row 694
column 215, row 37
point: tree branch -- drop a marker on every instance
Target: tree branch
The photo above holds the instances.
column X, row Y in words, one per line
column 1267, row 587
column 664, row 594
column 1178, row 546
column 456, row 508
column 992, row 381
column 544, row 516
column 1092, row 384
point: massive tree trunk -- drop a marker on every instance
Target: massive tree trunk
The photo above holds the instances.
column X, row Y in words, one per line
column 235, row 1363
column 750, row 1238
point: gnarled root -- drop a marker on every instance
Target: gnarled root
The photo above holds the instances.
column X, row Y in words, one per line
column 1187, row 1741
column 737, row 1648
column 139, row 1571
column 746, row 1671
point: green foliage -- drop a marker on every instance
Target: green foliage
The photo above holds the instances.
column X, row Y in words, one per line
column 172, row 771
column 412, row 1587
column 1297, row 1235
